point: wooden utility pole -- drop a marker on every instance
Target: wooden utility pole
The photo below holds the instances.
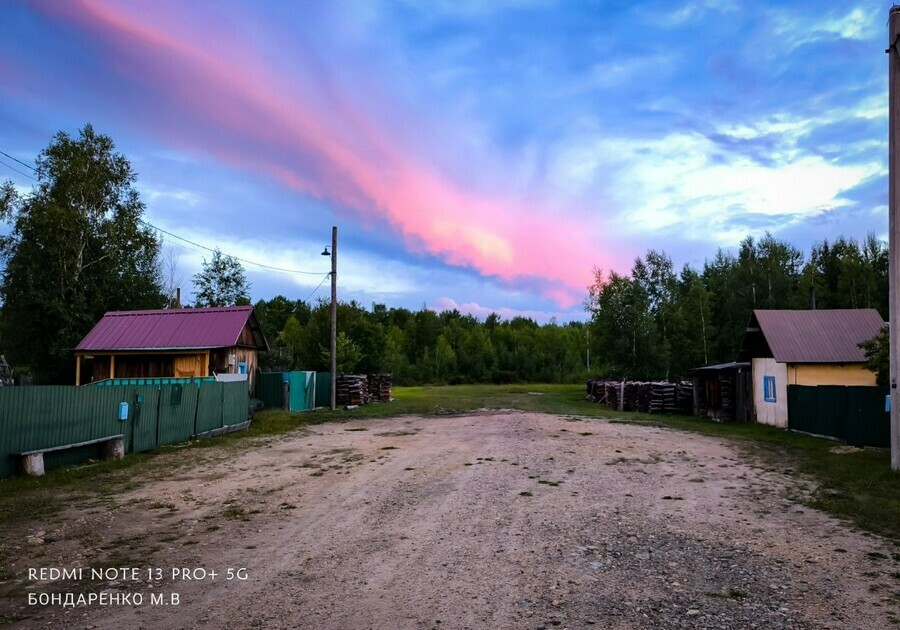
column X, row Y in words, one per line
column 894, row 223
column 334, row 317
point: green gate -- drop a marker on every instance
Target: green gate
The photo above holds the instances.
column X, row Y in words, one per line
column 853, row 414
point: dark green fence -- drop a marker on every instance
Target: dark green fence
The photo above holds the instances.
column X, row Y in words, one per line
column 323, row 389
column 270, row 389
column 33, row 418
column 855, row 415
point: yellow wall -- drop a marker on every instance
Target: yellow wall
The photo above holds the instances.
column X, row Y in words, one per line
column 190, row 365
column 829, row 374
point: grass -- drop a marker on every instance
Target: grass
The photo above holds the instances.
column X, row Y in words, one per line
column 858, row 485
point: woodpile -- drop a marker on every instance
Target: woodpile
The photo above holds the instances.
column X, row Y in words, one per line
column 351, row 389
column 645, row 397
column 380, row 387
column 360, row 389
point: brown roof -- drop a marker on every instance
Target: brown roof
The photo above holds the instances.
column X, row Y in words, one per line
column 822, row 336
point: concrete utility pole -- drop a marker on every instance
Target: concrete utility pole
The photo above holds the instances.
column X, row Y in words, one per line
column 894, row 223
column 334, row 317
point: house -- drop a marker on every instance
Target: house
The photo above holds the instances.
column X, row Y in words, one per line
column 818, row 347
column 191, row 342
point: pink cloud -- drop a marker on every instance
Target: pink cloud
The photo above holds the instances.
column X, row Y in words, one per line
column 223, row 100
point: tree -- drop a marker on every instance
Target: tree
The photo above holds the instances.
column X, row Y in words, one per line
column 221, row 282
column 171, row 276
column 77, row 248
column 348, row 354
column 878, row 358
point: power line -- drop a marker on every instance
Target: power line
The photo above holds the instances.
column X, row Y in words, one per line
column 23, row 173
column 158, row 229
column 243, row 260
column 327, row 275
column 18, row 160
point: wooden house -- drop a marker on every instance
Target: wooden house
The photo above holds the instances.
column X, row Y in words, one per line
column 172, row 343
column 818, row 347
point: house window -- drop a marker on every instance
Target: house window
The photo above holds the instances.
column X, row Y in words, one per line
column 769, row 388
column 242, row 367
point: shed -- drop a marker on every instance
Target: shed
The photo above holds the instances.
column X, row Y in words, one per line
column 723, row 392
column 184, row 342
column 819, row 347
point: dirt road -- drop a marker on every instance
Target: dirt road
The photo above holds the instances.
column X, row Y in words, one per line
column 500, row 520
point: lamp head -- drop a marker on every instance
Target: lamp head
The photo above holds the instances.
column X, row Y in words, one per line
column 325, row 252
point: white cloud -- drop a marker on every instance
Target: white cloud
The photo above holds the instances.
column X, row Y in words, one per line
column 686, row 180
column 673, row 181
column 169, row 194
column 797, row 29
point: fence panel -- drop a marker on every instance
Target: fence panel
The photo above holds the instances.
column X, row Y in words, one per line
column 323, row 389
column 177, row 412
column 270, row 389
column 33, row 418
column 235, row 403
column 853, row 414
column 875, row 424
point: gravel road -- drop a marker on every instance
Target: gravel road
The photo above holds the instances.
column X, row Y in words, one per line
column 497, row 520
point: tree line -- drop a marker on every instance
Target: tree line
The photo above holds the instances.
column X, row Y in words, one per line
column 655, row 324
column 422, row 346
column 77, row 246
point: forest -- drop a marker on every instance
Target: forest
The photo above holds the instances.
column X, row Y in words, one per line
column 652, row 323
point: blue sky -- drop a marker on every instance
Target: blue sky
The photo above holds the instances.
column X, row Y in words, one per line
column 484, row 156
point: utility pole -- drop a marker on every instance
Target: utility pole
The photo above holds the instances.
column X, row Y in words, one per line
column 334, row 318
column 894, row 223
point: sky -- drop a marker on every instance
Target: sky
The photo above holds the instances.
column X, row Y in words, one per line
column 485, row 156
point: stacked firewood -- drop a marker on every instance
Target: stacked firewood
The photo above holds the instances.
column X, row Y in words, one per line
column 663, row 397
column 379, row 386
column 361, row 389
column 351, row 389
column 646, row 397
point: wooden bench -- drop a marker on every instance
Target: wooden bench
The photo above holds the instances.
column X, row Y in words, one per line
column 33, row 461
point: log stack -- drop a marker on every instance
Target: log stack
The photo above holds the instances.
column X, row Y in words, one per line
column 379, row 387
column 351, row 389
column 361, row 389
column 662, row 397
column 685, row 396
column 646, row 397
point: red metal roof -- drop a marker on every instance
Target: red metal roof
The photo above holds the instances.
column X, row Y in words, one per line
column 822, row 336
column 169, row 329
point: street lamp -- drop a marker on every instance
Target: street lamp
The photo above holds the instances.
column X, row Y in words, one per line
column 333, row 254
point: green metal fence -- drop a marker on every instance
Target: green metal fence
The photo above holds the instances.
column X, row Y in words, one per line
column 301, row 390
column 270, row 389
column 323, row 389
column 33, row 418
column 855, row 415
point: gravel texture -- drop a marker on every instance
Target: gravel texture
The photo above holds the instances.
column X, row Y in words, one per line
column 497, row 520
